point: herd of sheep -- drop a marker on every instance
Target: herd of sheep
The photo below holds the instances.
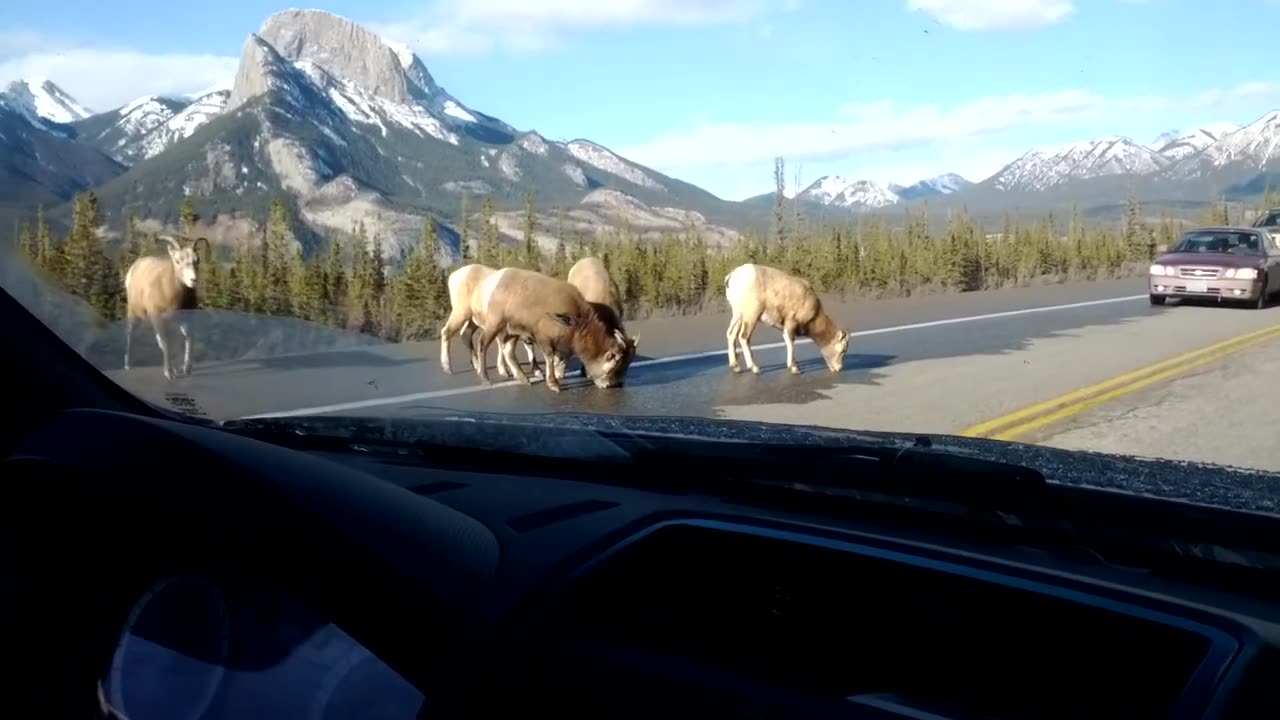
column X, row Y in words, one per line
column 580, row 316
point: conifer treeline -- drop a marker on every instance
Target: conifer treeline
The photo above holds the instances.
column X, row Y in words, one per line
column 351, row 284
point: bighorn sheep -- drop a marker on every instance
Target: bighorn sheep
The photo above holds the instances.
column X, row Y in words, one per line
column 558, row 319
column 463, row 285
column 592, row 279
column 155, row 288
column 784, row 302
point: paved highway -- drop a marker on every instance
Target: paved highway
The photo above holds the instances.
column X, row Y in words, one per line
column 926, row 364
column 1223, row 412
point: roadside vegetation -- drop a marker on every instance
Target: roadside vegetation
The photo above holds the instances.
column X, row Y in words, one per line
column 351, row 285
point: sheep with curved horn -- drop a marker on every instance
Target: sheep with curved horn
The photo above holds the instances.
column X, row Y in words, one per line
column 157, row 287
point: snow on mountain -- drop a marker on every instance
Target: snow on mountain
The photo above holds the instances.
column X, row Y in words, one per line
column 839, row 191
column 605, row 159
column 1252, row 146
column 1045, row 167
column 148, row 125
column 182, row 124
column 944, row 184
column 41, row 99
column 1176, row 145
column 351, row 127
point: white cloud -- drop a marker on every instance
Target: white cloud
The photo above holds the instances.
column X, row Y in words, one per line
column 995, row 14
column 460, row 27
column 884, row 141
column 103, row 78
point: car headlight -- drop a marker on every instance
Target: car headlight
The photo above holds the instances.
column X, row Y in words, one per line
column 1161, row 270
column 1242, row 273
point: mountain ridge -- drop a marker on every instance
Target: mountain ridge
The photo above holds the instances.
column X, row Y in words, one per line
column 349, row 126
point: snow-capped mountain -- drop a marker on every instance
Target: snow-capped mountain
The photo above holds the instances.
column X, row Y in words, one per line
column 351, row 127
column 1237, row 155
column 148, row 125
column 842, row 192
column 40, row 161
column 1044, row 167
column 839, row 191
column 944, row 184
column 1176, row 145
column 41, row 100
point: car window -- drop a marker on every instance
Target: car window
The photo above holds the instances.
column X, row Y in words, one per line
column 193, row 648
column 1236, row 243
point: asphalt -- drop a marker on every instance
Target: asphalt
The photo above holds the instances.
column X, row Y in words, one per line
column 1222, row 413
column 925, row 364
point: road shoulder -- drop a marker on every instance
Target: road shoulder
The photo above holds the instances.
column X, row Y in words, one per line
column 1219, row 413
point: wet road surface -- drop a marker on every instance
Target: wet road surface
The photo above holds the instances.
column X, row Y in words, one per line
column 924, row 364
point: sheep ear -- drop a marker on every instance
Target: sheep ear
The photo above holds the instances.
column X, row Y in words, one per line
column 563, row 319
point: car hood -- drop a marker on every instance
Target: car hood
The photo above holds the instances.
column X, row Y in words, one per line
column 1226, row 260
column 575, row 434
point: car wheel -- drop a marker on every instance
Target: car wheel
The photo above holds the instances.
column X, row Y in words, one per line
column 1261, row 302
column 1158, row 299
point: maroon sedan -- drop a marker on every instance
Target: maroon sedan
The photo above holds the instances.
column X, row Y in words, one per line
column 1225, row 263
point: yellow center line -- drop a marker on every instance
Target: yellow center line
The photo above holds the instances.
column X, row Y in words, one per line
column 1020, row 422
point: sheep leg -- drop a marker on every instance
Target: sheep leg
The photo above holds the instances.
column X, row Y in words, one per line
column 789, row 339
column 550, row 356
column 186, row 348
column 506, row 359
column 731, row 335
column 508, row 349
column 158, row 327
column 533, row 360
column 480, row 350
column 128, row 339
column 456, row 323
column 744, row 341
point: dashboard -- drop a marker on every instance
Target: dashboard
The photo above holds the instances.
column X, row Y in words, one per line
column 264, row 581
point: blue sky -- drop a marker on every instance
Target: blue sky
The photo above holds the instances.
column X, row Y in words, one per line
column 710, row 90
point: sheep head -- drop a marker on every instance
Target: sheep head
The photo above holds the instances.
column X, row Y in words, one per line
column 835, row 351
column 185, row 257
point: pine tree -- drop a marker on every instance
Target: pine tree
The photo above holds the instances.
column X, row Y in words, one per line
column 187, row 217
column 532, row 256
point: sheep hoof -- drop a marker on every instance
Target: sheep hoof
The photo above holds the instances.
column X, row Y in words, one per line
column 553, row 387
column 447, row 370
column 735, row 369
column 755, row 369
column 795, row 370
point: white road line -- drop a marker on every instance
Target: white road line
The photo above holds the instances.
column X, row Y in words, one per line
column 450, row 392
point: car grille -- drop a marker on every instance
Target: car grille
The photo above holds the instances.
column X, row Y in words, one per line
column 1199, row 273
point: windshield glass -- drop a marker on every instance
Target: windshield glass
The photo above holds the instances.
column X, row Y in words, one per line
column 1235, row 243
column 657, row 209
column 1272, row 219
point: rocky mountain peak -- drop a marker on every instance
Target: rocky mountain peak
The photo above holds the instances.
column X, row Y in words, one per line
column 345, row 51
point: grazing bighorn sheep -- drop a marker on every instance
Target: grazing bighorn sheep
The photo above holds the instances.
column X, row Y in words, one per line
column 155, row 288
column 558, row 319
column 592, row 279
column 759, row 293
column 463, row 284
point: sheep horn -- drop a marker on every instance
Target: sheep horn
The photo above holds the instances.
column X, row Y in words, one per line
column 208, row 249
column 173, row 244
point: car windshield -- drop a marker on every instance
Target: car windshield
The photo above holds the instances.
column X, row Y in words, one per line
column 1272, row 219
column 654, row 209
column 1234, row 243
